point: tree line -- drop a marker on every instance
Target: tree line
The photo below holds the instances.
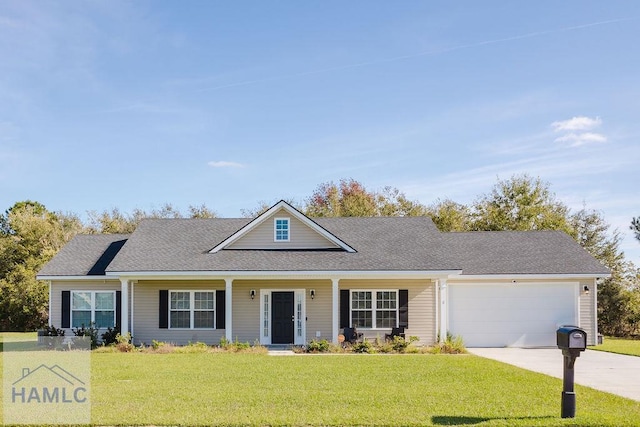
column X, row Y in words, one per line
column 30, row 235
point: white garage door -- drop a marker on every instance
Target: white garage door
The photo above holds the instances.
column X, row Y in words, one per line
column 511, row 315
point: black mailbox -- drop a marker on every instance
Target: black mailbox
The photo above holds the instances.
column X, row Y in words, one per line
column 572, row 341
column 571, row 337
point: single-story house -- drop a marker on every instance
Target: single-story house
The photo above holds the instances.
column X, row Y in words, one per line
column 285, row 278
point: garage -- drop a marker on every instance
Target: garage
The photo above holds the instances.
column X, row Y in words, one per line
column 511, row 314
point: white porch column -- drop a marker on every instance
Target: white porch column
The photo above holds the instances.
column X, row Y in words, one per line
column 228, row 314
column 335, row 319
column 444, row 311
column 124, row 306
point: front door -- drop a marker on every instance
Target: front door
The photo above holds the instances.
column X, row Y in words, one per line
column 282, row 317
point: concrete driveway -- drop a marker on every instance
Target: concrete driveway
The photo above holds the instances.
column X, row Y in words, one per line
column 613, row 373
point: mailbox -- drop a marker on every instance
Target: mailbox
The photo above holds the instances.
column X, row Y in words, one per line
column 572, row 341
column 571, row 337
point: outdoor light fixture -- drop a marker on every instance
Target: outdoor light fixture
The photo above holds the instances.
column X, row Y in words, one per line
column 252, row 293
column 586, row 290
column 312, row 292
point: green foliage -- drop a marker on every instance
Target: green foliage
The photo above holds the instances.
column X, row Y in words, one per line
column 123, row 343
column 448, row 215
column 110, row 336
column 363, row 347
column 88, row 331
column 521, row 203
column 321, row 346
column 51, row 331
column 451, row 345
column 635, row 227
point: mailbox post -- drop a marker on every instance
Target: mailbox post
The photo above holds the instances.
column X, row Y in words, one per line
column 572, row 341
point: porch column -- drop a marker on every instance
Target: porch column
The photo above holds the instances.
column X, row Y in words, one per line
column 442, row 287
column 124, row 306
column 335, row 324
column 228, row 314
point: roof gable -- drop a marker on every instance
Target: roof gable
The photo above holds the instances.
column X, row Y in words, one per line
column 304, row 233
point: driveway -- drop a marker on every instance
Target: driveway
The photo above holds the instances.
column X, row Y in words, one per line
column 613, row 373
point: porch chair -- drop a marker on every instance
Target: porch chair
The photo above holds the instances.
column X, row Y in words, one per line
column 352, row 336
column 395, row 332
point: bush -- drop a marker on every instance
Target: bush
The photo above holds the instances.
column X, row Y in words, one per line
column 51, row 331
column 363, row 347
column 452, row 345
column 110, row 336
column 91, row 331
column 321, row 346
column 123, row 343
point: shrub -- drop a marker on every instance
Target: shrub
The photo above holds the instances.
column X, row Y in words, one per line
column 91, row 331
column 452, row 345
column 196, row 347
column 321, row 346
column 363, row 347
column 123, row 343
column 110, row 336
column 51, row 331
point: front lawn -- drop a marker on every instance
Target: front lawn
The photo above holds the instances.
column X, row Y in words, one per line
column 619, row 345
column 257, row 389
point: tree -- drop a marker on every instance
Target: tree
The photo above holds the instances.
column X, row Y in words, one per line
column 520, row 203
column 635, row 226
column 30, row 236
column 448, row 215
column 350, row 198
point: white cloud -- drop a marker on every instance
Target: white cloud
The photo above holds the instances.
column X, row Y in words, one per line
column 577, row 139
column 225, row 164
column 576, row 123
column 576, row 131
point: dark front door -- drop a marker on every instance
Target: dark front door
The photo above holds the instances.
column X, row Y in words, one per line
column 282, row 320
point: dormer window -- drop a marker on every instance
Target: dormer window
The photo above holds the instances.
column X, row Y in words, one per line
column 281, row 229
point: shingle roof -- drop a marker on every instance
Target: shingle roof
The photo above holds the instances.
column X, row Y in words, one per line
column 85, row 255
column 382, row 244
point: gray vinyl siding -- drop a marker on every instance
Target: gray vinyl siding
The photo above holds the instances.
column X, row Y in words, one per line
column 146, row 302
column 587, row 310
column 422, row 306
column 300, row 235
column 246, row 312
column 55, row 304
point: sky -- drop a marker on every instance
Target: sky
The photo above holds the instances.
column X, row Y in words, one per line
column 133, row 104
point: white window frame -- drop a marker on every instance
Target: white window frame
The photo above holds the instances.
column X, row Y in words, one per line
column 93, row 307
column 275, row 229
column 374, row 307
column 192, row 309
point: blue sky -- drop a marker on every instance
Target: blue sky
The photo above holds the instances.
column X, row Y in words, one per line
column 133, row 104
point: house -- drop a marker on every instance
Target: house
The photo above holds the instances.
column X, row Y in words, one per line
column 284, row 278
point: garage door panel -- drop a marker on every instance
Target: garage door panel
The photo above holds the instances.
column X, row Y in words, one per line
column 520, row 315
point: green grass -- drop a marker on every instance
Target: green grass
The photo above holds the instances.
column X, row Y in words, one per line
column 619, row 345
column 256, row 389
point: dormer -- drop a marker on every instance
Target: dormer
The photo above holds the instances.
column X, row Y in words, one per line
column 282, row 227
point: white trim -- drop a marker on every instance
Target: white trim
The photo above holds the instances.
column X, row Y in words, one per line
column 49, row 308
column 78, row 278
column 526, row 276
column 335, row 314
column 131, row 322
column 297, row 340
column 295, row 213
column 124, row 306
column 275, row 229
column 228, row 307
column 192, row 309
column 578, row 293
column 374, row 308
column 92, row 310
column 444, row 309
column 595, row 310
column 306, row 274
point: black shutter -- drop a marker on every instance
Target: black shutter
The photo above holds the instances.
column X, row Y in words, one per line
column 220, row 309
column 163, row 312
column 403, row 305
column 66, row 309
column 118, row 309
column 344, row 308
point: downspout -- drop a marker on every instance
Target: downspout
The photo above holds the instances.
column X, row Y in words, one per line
column 442, row 287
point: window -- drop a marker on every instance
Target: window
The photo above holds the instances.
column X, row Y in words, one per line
column 192, row 309
column 98, row 307
column 281, row 229
column 374, row 309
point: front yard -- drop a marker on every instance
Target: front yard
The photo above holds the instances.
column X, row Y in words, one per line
column 620, row 345
column 257, row 389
